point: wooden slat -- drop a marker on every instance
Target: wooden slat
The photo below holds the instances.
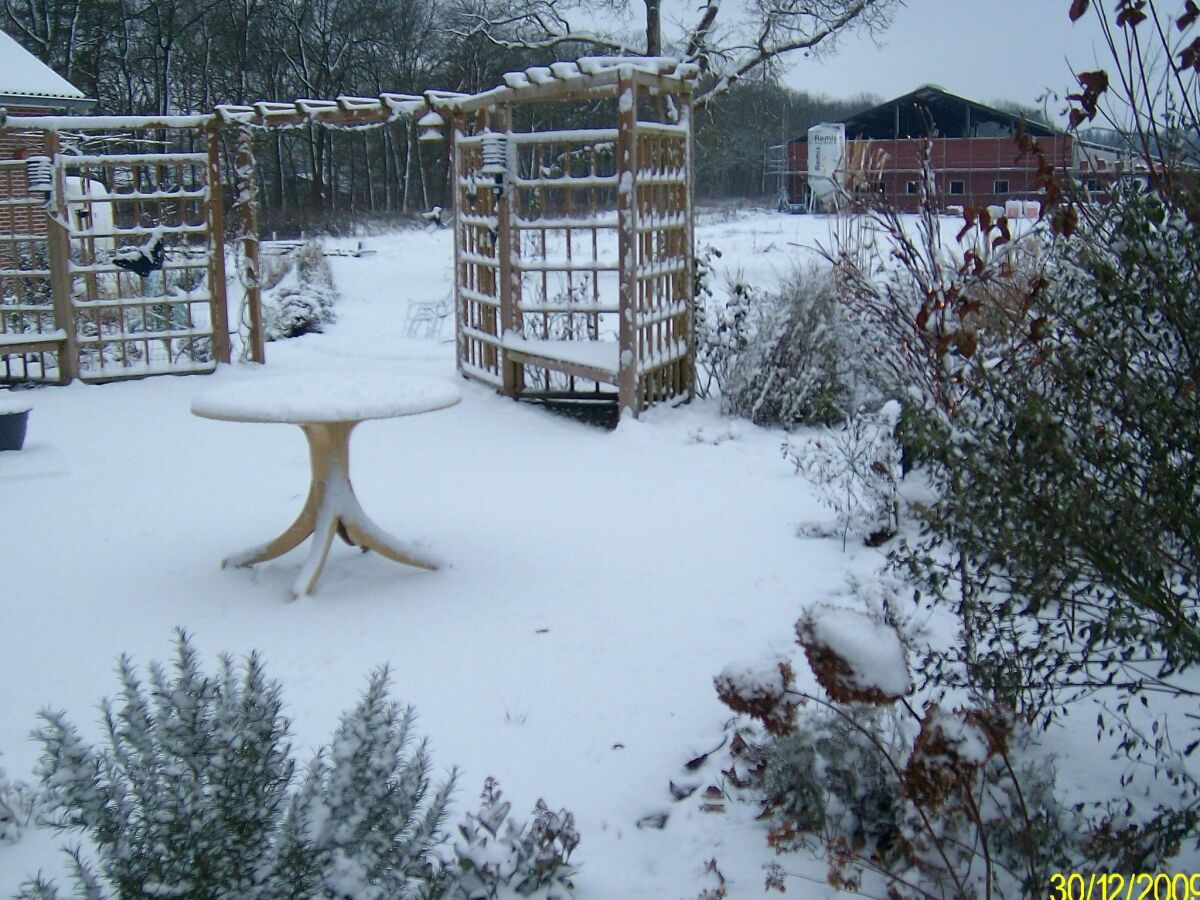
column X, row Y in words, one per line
column 627, row 166
column 579, row 370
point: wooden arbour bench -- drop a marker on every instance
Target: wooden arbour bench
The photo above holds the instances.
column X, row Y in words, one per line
column 574, row 246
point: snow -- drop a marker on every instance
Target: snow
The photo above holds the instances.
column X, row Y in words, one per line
column 600, row 355
column 11, row 403
column 872, row 649
column 595, row 584
column 325, row 396
column 25, row 74
column 755, row 677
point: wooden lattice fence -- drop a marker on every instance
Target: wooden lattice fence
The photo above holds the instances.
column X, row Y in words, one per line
column 116, row 267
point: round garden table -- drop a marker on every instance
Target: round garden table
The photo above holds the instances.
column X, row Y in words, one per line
column 327, row 406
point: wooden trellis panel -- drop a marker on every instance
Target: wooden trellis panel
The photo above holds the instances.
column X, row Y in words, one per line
column 664, row 263
column 31, row 341
column 477, row 264
column 129, row 324
column 66, row 308
column 562, row 199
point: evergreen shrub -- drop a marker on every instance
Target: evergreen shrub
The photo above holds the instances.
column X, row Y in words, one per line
column 196, row 793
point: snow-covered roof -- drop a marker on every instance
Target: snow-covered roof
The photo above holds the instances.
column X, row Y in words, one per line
column 25, row 79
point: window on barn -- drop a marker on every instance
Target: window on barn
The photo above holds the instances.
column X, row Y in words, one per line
column 958, row 187
column 911, row 188
column 1001, row 186
column 1093, row 185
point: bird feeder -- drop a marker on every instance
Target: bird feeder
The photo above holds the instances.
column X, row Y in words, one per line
column 494, row 152
column 39, row 175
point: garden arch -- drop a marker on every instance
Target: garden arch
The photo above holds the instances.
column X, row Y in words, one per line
column 574, row 246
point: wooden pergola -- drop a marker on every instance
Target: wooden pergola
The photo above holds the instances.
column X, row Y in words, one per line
column 67, row 308
column 574, row 247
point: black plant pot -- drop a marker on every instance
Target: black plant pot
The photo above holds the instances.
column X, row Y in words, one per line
column 12, row 429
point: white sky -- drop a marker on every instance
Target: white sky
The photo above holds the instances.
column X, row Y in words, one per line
column 986, row 50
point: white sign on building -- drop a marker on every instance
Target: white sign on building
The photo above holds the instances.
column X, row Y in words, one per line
column 826, row 163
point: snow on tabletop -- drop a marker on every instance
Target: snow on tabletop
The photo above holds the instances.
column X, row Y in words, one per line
column 871, row 648
column 341, row 396
column 13, row 404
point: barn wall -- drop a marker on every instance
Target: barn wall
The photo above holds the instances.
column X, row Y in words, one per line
column 978, row 163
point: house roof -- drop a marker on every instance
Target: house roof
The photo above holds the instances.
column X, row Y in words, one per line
column 25, row 80
column 951, row 116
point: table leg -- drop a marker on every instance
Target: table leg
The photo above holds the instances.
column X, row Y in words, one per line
column 330, row 508
column 289, row 540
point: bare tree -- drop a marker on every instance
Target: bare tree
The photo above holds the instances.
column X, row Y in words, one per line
column 726, row 43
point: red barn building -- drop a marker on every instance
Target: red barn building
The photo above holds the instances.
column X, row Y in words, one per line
column 974, row 156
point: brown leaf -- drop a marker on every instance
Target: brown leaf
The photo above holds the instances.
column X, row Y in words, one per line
column 967, row 345
column 1190, row 13
column 1094, row 84
column 654, row 820
column 682, row 791
column 968, row 224
column 1131, row 15
column 1004, row 237
column 1189, row 57
column 1078, row 8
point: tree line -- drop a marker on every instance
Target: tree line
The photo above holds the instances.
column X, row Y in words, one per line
column 142, row 57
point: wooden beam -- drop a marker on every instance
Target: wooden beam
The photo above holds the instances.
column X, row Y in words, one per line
column 251, row 276
column 512, row 373
column 579, row 370
column 627, row 247
column 59, row 247
column 216, row 247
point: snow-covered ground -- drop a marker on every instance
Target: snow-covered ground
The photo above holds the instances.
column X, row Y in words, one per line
column 597, row 581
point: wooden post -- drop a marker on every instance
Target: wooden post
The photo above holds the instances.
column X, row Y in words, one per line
column 511, row 373
column 458, row 210
column 216, row 246
column 58, row 245
column 247, row 202
column 689, row 169
column 627, row 164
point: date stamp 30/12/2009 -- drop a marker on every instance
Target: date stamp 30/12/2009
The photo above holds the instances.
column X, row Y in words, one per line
column 1125, row 886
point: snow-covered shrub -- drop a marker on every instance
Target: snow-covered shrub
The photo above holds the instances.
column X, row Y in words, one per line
column 196, row 793
column 856, row 470
column 944, row 803
column 18, row 802
column 797, row 363
column 301, row 302
column 927, row 306
column 496, row 857
column 786, row 357
column 723, row 330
